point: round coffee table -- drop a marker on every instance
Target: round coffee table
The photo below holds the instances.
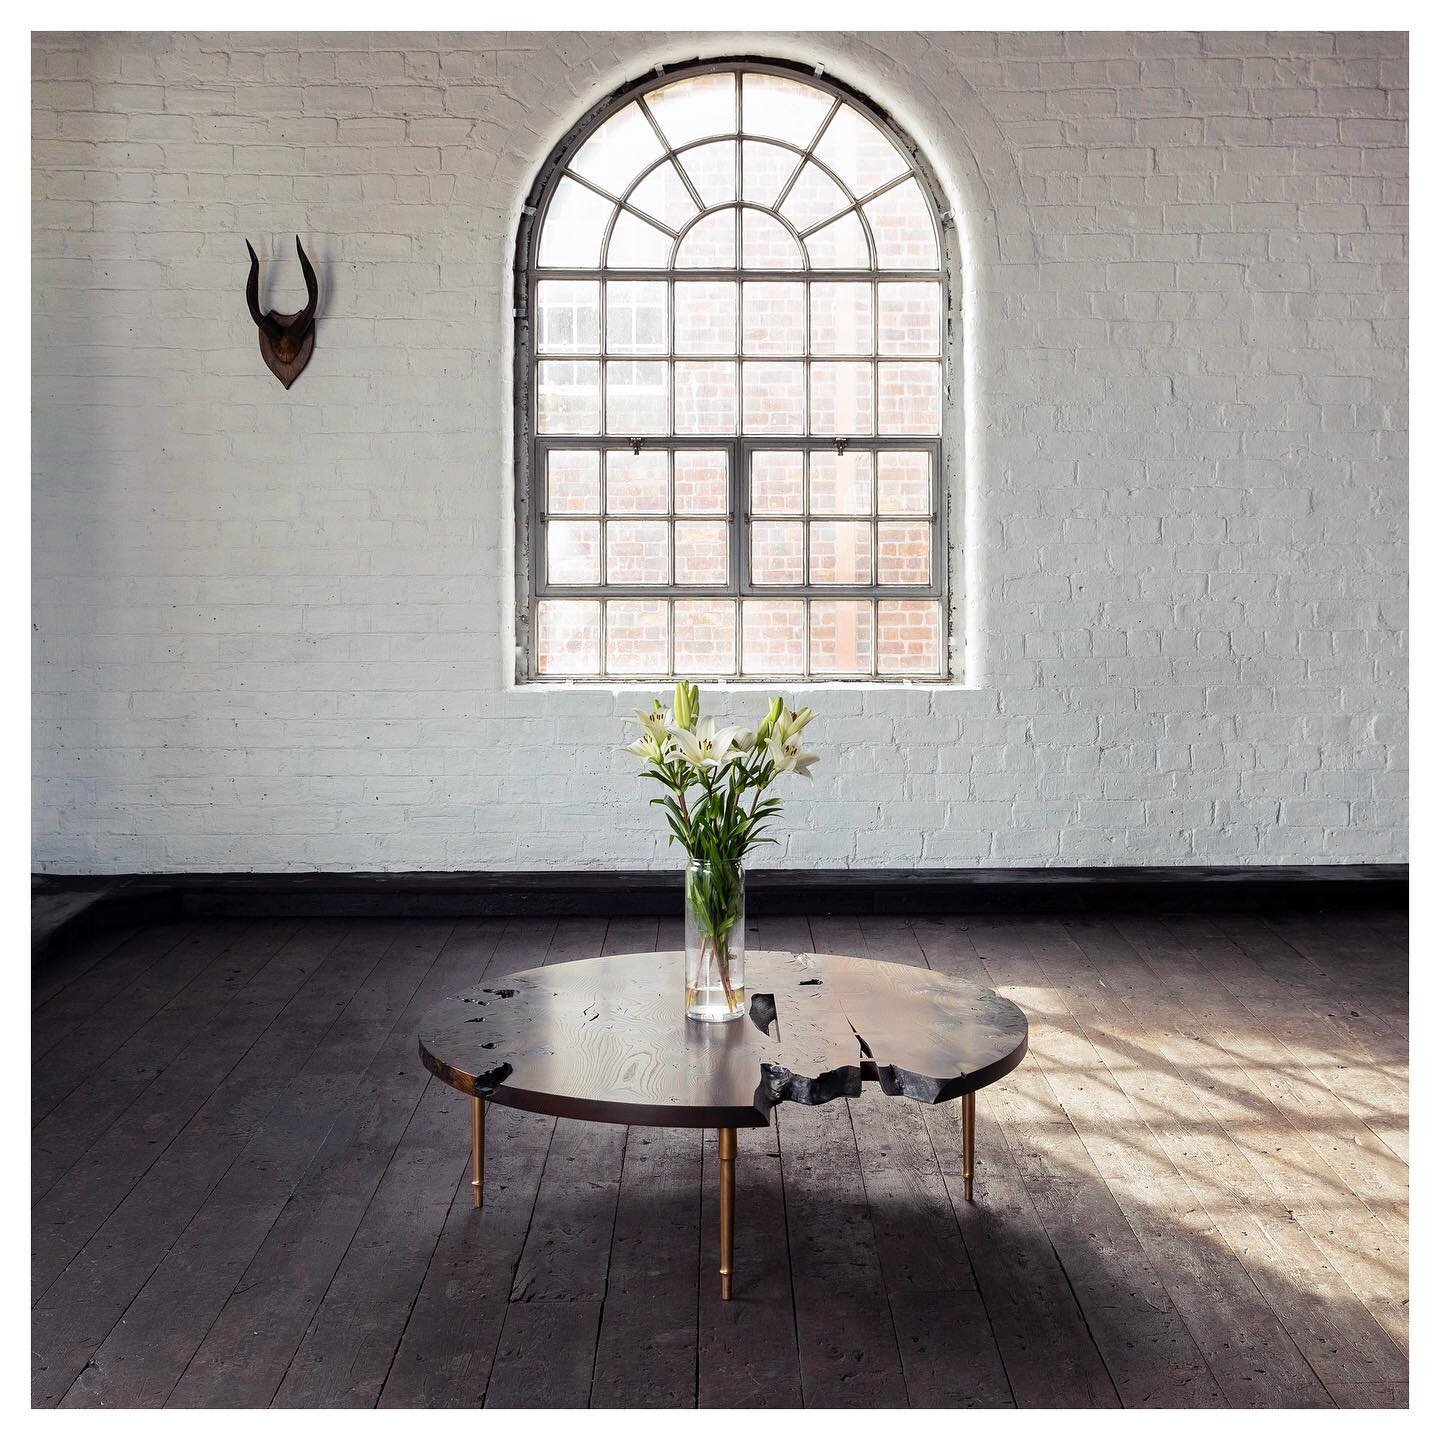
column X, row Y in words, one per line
column 607, row 1039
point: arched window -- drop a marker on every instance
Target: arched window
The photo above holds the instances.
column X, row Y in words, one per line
column 731, row 369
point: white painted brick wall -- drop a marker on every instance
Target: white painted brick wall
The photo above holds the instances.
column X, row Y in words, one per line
column 272, row 631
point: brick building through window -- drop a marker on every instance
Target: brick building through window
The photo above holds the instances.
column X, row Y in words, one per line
column 731, row 365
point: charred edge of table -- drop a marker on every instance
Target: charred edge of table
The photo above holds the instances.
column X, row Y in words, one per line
column 483, row 1085
column 779, row 1085
column 762, row 1011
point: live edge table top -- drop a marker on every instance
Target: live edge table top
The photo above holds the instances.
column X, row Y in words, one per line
column 607, row 1039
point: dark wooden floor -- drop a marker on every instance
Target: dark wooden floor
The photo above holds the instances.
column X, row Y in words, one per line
column 248, row 1191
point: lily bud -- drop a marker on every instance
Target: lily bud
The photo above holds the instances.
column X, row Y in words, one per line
column 762, row 731
column 687, row 705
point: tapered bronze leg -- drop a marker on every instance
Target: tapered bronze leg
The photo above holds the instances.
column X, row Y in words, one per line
column 477, row 1150
column 727, row 1210
column 967, row 1114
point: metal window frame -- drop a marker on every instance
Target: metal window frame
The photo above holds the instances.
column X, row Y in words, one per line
column 531, row 448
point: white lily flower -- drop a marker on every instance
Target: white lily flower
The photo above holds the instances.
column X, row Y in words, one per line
column 706, row 748
column 787, row 755
column 654, row 741
column 649, row 747
column 745, row 740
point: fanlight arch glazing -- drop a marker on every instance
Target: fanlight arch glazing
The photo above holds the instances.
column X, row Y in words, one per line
column 732, row 369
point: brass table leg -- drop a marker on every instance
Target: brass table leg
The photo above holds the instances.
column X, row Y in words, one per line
column 727, row 1209
column 967, row 1111
column 477, row 1150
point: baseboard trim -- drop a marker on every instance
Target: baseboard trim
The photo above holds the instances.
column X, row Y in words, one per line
column 136, row 899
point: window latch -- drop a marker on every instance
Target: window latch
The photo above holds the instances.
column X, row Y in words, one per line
column 840, row 446
column 635, row 443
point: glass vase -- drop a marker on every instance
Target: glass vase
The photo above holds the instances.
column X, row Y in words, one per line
column 714, row 941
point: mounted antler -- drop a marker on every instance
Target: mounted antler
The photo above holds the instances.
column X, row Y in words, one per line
column 286, row 341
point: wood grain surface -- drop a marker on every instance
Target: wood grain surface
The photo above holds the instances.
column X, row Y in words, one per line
column 606, row 1039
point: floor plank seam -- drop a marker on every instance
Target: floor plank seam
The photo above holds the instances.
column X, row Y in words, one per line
column 870, row 1216
column 109, row 999
column 1244, row 1066
column 184, row 1124
column 415, row 1298
column 954, row 1206
column 515, row 1268
column 605, row 1286
column 1104, row 1180
column 383, row 1170
column 240, row 1287
column 1200, row 1202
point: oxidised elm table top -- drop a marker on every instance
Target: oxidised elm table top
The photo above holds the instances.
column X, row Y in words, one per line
column 607, row 1039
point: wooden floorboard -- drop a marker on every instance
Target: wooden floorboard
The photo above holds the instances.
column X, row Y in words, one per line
column 1194, row 1192
column 237, row 1277
column 100, row 1092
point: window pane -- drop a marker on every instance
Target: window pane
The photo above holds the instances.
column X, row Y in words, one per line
column 904, row 482
column 702, row 552
column 637, row 397
column 568, row 400
column 704, row 397
column 813, row 197
column 777, row 552
column 774, row 317
column 704, row 637
column 904, row 232
column 700, row 482
column 574, row 226
column 618, row 151
column 637, row 552
column 568, row 319
column 858, row 153
column 842, row 637
column 662, row 194
column 910, row 637
column 635, row 317
column 767, row 244
column 840, row 552
column 902, row 551
column 840, row 245
column 711, row 169
column 572, row 552
column 709, row 244
column 786, row 109
column 766, row 168
column 840, row 484
column 910, row 319
column 774, row 398
column 637, row 484
column 573, row 478
column 568, row 637
column 807, row 357
column 910, row 399
column 773, row 637
column 636, row 636
column 777, row 482
column 635, row 244
column 705, row 317
column 842, row 320
column 690, row 109
column 842, row 398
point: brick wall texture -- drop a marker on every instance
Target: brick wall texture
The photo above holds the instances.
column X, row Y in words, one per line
column 273, row 631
